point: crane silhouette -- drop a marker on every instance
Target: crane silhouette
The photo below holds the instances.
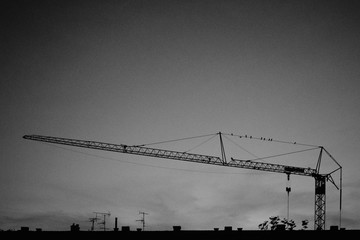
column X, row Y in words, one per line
column 320, row 179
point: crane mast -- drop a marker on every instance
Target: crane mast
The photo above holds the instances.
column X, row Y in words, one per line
column 320, row 185
column 320, row 179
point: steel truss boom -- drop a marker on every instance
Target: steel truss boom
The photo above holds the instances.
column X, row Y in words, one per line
column 320, row 179
column 175, row 155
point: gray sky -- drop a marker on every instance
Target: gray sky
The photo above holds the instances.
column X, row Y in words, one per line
column 133, row 72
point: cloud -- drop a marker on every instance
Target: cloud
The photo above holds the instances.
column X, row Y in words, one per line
column 202, row 206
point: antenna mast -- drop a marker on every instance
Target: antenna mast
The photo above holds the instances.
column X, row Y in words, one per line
column 142, row 220
column 103, row 222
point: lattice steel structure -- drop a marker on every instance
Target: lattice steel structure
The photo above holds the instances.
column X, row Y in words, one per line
column 320, row 202
column 320, row 179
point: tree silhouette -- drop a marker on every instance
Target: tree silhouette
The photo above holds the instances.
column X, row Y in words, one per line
column 264, row 225
column 274, row 222
column 289, row 224
column 304, row 224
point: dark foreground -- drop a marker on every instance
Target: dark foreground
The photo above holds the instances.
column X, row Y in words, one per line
column 187, row 235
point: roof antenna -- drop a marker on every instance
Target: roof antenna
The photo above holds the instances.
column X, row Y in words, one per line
column 142, row 220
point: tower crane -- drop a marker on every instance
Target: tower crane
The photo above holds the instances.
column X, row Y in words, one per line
column 320, row 179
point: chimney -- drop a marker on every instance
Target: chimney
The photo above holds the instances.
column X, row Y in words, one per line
column 228, row 228
column 116, row 226
column 125, row 228
column 24, row 229
column 177, row 228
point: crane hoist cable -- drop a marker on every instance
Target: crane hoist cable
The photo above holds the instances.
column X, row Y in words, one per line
column 174, row 140
column 246, row 136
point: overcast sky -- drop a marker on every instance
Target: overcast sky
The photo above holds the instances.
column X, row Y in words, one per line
column 135, row 72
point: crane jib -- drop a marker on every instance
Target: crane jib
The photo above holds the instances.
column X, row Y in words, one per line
column 294, row 169
column 182, row 156
column 270, row 167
